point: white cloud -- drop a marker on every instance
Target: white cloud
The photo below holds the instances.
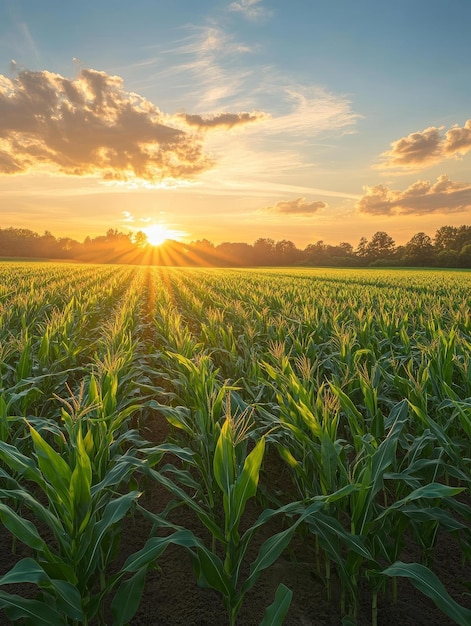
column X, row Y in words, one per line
column 250, row 9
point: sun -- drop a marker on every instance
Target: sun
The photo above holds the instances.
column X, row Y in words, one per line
column 156, row 234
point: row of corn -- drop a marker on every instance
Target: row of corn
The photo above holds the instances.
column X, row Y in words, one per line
column 359, row 383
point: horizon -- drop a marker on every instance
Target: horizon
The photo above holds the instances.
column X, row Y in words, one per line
column 234, row 121
column 160, row 241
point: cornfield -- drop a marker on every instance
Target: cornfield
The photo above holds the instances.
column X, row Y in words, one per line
column 356, row 384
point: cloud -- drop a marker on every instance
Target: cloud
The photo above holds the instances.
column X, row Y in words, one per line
column 299, row 206
column 207, row 59
column 92, row 126
column 458, row 139
column 427, row 147
column 223, row 120
column 128, row 217
column 311, row 110
column 421, row 198
column 250, row 9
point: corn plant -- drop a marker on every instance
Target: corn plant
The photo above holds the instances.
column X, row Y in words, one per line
column 236, row 472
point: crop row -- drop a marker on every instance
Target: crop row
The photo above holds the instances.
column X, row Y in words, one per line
column 358, row 382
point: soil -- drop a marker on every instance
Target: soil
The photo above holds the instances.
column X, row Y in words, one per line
column 172, row 597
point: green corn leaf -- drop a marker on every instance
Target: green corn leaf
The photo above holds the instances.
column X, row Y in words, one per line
column 22, row 529
column 41, row 512
column 66, row 596
column 428, row 583
column 276, row 612
column 80, row 486
column 433, row 514
column 156, row 545
column 25, row 571
column 36, row 612
column 127, row 599
column 20, row 463
column 114, row 512
column 53, row 467
column 246, row 485
column 430, row 491
column 269, row 552
column 210, row 572
column 224, row 461
column 327, row 528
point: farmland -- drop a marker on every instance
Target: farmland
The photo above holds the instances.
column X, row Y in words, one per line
column 244, row 421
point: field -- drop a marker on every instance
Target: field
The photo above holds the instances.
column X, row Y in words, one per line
column 203, row 446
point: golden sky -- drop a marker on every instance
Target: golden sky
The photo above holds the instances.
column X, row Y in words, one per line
column 234, row 120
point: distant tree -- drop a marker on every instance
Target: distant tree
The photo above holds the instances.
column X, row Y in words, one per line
column 202, row 252
column 464, row 257
column 346, row 248
column 445, row 238
column 140, row 239
column 46, row 245
column 314, row 253
column 447, row 258
column 234, row 254
column 264, row 251
column 286, row 252
column 463, row 237
column 418, row 250
column 381, row 246
column 68, row 248
column 362, row 249
column 203, row 244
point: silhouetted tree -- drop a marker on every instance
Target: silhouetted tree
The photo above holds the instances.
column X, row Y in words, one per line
column 381, row 246
column 445, row 238
column 451, row 247
column 286, row 253
column 264, row 251
column 418, row 250
column 362, row 249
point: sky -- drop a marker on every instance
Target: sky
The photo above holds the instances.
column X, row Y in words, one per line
column 303, row 120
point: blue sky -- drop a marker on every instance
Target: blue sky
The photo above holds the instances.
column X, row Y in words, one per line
column 233, row 120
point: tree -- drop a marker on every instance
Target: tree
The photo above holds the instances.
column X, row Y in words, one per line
column 464, row 256
column 314, row 253
column 381, row 246
column 140, row 239
column 445, row 238
column 362, row 248
column 346, row 248
column 419, row 250
column 264, row 251
column 286, row 252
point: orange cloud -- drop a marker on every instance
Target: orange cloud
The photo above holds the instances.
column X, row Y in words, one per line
column 458, row 139
column 427, row 147
column 223, row 120
column 92, row 126
column 421, row 198
column 300, row 206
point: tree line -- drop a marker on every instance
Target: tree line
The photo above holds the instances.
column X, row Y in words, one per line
column 450, row 247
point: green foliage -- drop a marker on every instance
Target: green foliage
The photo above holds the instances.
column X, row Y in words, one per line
column 359, row 380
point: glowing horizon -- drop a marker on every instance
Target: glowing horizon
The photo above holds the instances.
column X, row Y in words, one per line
column 235, row 124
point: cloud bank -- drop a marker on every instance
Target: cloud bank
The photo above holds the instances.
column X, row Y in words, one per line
column 427, row 147
column 421, row 198
column 299, row 206
column 92, row 126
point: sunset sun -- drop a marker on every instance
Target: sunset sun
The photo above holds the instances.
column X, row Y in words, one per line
column 156, row 234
